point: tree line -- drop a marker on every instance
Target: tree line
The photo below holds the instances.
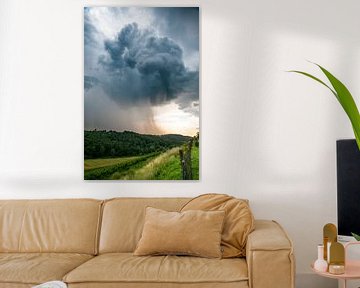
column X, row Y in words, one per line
column 107, row 144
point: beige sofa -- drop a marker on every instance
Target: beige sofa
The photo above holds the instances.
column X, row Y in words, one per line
column 89, row 243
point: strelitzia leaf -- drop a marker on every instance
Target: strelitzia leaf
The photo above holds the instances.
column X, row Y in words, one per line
column 347, row 102
column 316, row 79
column 344, row 97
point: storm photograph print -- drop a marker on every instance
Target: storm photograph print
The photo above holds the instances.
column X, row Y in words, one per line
column 141, row 93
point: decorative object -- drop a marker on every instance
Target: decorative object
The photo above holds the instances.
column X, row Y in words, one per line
column 334, row 251
column 336, row 269
column 337, row 258
column 329, row 236
column 351, row 268
column 141, row 93
column 320, row 264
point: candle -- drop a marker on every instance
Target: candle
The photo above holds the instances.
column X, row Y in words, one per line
column 336, row 269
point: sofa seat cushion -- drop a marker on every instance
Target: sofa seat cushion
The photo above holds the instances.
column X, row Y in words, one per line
column 36, row 268
column 125, row 267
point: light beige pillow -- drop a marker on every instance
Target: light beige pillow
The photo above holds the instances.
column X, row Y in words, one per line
column 194, row 232
column 238, row 223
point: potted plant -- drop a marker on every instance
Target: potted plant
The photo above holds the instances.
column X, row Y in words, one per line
column 345, row 99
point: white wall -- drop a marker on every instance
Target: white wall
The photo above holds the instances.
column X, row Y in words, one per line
column 266, row 135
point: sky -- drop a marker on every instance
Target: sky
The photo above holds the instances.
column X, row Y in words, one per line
column 141, row 69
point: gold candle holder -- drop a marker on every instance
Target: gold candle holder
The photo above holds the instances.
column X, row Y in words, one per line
column 329, row 237
column 337, row 258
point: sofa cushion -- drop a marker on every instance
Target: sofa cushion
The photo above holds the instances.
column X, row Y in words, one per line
column 36, row 268
column 193, row 232
column 63, row 226
column 123, row 220
column 126, row 268
column 239, row 220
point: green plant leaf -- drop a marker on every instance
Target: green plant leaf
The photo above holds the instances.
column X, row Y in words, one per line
column 316, row 79
column 357, row 137
column 356, row 236
column 344, row 97
column 347, row 102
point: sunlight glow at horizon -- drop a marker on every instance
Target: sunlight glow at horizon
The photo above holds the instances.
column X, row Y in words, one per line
column 172, row 120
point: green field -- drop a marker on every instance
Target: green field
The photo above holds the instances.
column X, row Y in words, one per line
column 154, row 166
column 99, row 163
column 121, row 168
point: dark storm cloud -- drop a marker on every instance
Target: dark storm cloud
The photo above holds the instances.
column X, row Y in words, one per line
column 89, row 30
column 90, row 82
column 181, row 23
column 136, row 67
column 145, row 68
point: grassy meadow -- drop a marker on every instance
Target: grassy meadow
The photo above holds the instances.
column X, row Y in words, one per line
column 157, row 165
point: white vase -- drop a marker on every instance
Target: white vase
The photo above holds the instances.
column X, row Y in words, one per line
column 320, row 264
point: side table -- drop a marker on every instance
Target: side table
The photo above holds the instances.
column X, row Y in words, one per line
column 352, row 268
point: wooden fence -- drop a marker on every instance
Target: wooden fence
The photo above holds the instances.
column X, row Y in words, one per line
column 185, row 159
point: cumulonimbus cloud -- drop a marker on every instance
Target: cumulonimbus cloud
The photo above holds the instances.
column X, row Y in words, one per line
column 142, row 67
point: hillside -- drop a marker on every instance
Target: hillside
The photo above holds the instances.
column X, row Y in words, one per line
column 109, row 144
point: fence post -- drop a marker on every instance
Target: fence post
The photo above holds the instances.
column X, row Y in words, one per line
column 182, row 163
column 185, row 159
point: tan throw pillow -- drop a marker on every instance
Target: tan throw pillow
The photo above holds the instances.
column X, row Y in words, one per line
column 239, row 220
column 196, row 233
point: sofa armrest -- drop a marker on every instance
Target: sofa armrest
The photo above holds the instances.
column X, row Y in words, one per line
column 269, row 256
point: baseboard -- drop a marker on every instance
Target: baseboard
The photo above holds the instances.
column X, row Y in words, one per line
column 310, row 280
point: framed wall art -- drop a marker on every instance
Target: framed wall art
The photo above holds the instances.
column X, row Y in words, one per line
column 141, row 93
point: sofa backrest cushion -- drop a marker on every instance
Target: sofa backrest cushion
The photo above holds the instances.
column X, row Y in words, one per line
column 239, row 220
column 123, row 220
column 66, row 226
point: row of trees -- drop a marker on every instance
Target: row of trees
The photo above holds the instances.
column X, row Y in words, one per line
column 107, row 144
